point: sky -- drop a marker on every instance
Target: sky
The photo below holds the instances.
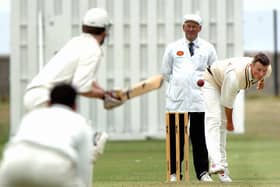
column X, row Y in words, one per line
column 4, row 27
column 257, row 27
column 258, row 24
column 256, row 5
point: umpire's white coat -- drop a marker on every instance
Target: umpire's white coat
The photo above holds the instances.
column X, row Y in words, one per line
column 182, row 71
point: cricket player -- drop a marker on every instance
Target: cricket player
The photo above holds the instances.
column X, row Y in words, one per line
column 76, row 63
column 184, row 63
column 223, row 80
column 52, row 147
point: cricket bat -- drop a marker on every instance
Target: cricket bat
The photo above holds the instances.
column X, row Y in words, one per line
column 143, row 87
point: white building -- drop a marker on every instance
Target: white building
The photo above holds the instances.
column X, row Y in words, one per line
column 141, row 30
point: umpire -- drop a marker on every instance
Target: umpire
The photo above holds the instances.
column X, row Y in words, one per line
column 184, row 63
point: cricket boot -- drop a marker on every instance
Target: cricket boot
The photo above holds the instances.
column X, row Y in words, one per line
column 224, row 177
column 206, row 178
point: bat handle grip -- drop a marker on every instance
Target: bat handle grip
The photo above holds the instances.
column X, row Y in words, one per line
column 127, row 94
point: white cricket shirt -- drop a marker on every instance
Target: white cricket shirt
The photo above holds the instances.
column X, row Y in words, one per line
column 61, row 129
column 76, row 63
column 230, row 76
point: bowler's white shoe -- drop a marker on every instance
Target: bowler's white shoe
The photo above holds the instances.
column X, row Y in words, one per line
column 224, row 177
column 100, row 139
column 216, row 168
column 173, row 178
column 206, row 178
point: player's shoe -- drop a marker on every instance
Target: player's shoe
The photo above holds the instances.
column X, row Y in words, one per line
column 206, row 178
column 216, row 168
column 173, row 178
column 224, row 177
column 100, row 139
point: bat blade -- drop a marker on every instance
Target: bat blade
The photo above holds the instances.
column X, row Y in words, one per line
column 143, row 87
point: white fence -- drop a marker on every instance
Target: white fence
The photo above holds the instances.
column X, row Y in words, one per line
column 141, row 30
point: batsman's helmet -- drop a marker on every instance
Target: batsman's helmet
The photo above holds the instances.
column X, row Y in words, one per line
column 97, row 17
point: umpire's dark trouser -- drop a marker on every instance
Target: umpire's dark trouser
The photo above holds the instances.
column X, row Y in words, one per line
column 197, row 136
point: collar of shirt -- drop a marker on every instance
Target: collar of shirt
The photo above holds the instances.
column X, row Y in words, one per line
column 56, row 105
column 89, row 36
column 252, row 80
column 195, row 42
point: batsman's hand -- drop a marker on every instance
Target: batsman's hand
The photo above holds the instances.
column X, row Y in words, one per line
column 116, row 93
column 112, row 99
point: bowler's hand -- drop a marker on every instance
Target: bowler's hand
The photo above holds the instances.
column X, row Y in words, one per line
column 260, row 85
column 230, row 126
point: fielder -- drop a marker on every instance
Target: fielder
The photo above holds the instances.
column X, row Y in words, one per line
column 52, row 147
column 223, row 80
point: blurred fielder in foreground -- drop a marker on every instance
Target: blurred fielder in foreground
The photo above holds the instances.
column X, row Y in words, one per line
column 52, row 147
column 223, row 80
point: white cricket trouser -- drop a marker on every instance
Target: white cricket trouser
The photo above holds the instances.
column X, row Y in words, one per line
column 36, row 98
column 30, row 165
column 33, row 98
column 215, row 125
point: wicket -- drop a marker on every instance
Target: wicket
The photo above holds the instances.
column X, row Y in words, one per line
column 168, row 116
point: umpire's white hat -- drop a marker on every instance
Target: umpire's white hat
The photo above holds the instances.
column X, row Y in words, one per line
column 97, row 17
column 192, row 17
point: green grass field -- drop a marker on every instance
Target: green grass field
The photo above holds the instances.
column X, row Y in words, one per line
column 142, row 163
column 4, row 122
column 254, row 157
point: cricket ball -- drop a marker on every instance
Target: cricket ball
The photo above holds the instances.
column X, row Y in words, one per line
column 200, row 82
